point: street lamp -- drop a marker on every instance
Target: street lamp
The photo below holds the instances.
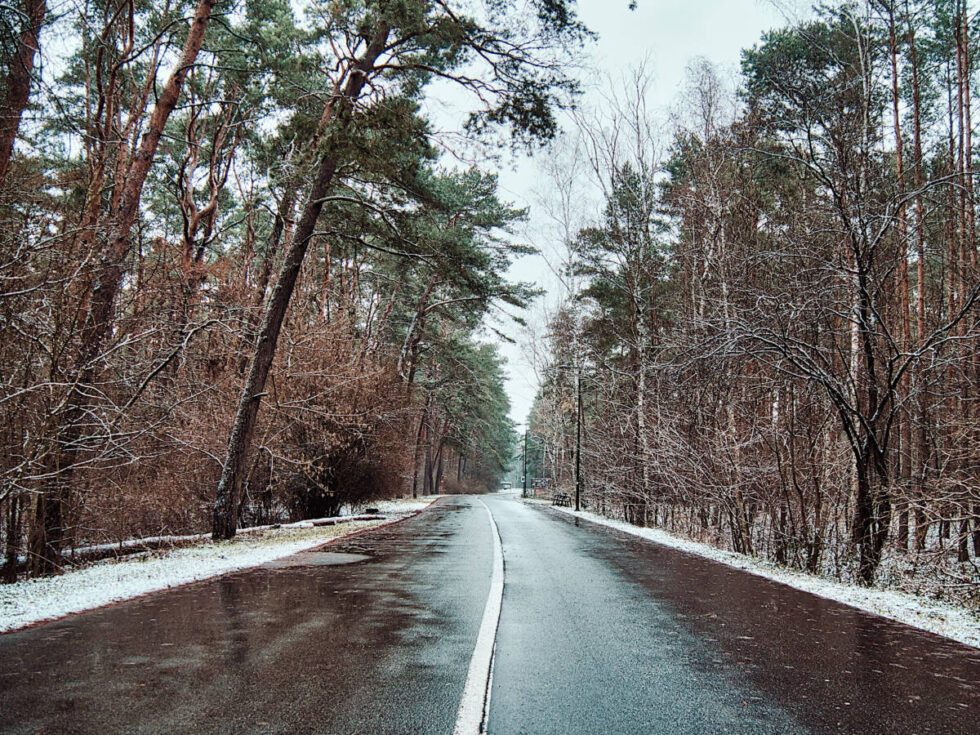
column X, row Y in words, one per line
column 524, row 492
column 578, row 440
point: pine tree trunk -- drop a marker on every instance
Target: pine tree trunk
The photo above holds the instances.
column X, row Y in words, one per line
column 427, row 475
column 920, row 455
column 48, row 530
column 225, row 516
column 419, row 436
column 439, row 470
column 283, row 215
column 905, row 330
column 17, row 86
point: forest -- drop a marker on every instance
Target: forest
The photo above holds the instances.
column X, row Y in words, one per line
column 480, row 366
column 768, row 334
column 249, row 273
column 240, row 281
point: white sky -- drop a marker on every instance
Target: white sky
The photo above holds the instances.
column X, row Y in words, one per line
column 664, row 35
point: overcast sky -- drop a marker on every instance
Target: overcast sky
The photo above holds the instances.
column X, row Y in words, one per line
column 664, row 35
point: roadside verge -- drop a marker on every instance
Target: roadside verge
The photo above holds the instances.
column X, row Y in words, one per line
column 936, row 617
column 33, row 601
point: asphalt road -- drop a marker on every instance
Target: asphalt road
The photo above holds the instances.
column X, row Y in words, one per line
column 599, row 632
column 379, row 646
column 602, row 632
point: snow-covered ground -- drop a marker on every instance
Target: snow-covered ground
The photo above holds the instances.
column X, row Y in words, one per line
column 33, row 600
column 400, row 506
column 943, row 619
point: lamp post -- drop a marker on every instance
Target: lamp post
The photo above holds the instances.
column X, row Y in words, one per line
column 578, row 439
column 524, row 492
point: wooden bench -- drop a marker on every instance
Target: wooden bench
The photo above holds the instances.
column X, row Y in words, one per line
column 562, row 499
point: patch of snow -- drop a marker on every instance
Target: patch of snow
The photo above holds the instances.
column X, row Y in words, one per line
column 946, row 620
column 34, row 600
column 402, row 505
column 385, row 507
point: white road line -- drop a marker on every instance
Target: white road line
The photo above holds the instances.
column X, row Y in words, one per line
column 475, row 704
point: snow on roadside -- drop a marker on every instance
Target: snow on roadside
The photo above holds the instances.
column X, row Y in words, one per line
column 34, row 600
column 936, row 617
column 402, row 506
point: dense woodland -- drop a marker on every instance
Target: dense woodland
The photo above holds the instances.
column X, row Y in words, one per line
column 772, row 318
column 246, row 276
column 239, row 279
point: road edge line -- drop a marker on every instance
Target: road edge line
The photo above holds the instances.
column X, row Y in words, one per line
column 474, row 705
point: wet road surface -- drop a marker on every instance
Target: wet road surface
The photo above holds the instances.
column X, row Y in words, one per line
column 619, row 635
column 600, row 632
column 378, row 646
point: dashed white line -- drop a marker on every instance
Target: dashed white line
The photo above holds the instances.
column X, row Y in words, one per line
column 475, row 705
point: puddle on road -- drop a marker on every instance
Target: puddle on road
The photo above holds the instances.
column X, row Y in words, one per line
column 315, row 559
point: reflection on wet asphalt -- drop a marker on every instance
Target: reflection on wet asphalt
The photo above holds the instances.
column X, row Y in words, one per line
column 582, row 648
column 600, row 632
column 381, row 645
column 785, row 656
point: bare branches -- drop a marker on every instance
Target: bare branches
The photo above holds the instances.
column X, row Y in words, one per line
column 801, row 394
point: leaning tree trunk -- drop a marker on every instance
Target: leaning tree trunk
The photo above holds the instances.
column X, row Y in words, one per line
column 18, row 82
column 48, row 532
column 417, row 454
column 225, row 516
